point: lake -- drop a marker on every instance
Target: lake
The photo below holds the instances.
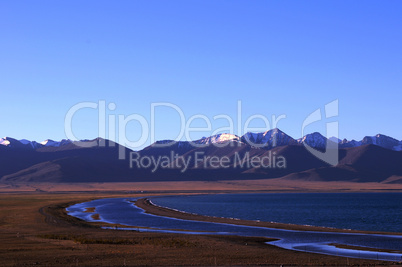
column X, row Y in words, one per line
column 267, row 207
column 357, row 211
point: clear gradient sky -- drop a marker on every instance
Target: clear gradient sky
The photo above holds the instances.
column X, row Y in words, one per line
column 277, row 57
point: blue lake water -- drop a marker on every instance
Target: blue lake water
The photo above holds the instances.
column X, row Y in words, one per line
column 123, row 211
column 358, row 211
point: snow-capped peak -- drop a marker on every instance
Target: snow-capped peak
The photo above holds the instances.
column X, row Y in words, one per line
column 378, row 140
column 217, row 139
column 14, row 143
column 315, row 139
column 268, row 139
column 381, row 140
column 48, row 142
column 26, row 144
column 52, row 143
column 4, row 141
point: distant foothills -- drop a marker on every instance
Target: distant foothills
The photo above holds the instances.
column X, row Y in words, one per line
column 372, row 159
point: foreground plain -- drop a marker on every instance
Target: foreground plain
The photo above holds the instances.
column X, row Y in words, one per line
column 35, row 230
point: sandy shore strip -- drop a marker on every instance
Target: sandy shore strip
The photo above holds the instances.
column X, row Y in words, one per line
column 364, row 248
column 150, row 208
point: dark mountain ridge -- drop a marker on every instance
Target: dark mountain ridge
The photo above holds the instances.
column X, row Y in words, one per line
column 283, row 157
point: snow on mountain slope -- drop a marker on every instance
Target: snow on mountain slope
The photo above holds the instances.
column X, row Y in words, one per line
column 379, row 140
column 268, row 139
column 315, row 140
column 26, row 144
column 217, row 139
column 50, row 142
column 13, row 143
column 4, row 141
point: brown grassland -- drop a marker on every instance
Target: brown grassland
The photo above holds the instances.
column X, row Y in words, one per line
column 35, row 230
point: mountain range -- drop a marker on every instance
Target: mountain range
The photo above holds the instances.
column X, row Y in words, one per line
column 372, row 159
column 267, row 140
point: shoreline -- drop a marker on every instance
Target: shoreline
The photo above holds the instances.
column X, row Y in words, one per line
column 150, row 208
column 147, row 207
column 38, row 223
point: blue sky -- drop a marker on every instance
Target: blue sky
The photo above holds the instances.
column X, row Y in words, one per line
column 276, row 57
